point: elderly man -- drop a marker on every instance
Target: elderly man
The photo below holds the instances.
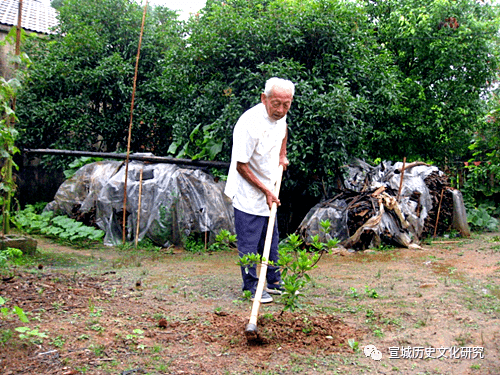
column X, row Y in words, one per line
column 259, row 147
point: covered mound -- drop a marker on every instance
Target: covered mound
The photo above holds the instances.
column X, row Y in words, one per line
column 175, row 202
column 382, row 205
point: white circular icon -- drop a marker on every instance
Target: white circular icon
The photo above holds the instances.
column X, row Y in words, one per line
column 376, row 355
column 373, row 352
column 368, row 350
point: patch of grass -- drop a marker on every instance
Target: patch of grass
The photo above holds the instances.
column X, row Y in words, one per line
column 60, row 260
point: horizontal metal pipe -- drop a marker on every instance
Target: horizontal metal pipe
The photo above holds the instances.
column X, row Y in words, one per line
column 111, row 155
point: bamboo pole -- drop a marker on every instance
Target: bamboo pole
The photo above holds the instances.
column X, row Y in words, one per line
column 130, row 125
column 439, row 210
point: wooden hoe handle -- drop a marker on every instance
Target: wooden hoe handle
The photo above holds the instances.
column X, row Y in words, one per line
column 251, row 329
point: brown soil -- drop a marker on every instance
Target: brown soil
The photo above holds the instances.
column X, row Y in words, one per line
column 112, row 311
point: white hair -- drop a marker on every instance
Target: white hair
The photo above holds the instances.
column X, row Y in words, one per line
column 280, row 83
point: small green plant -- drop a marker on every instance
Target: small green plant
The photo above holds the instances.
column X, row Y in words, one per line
column 194, row 244
column 134, row 336
column 137, row 334
column 32, row 335
column 5, row 336
column 57, row 227
column 5, row 312
column 307, row 326
column 353, row 344
column 9, row 255
column 224, row 241
column 58, row 342
column 295, row 262
column 97, row 349
column 370, row 292
column 480, row 219
column 354, row 292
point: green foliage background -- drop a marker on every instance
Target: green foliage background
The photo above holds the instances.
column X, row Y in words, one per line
column 375, row 79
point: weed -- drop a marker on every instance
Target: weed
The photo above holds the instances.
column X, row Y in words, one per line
column 96, row 327
column 224, row 241
column 58, row 342
column 5, row 336
column 372, row 293
column 420, row 323
column 194, row 244
column 353, row 344
column 377, row 332
column 4, row 311
column 98, row 350
column 156, row 348
column 463, row 339
column 32, row 335
column 354, row 292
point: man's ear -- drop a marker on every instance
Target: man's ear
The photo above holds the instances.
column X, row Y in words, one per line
column 263, row 98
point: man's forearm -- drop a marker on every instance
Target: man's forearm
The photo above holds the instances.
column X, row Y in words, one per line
column 245, row 171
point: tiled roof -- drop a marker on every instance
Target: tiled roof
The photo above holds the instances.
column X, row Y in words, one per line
column 35, row 16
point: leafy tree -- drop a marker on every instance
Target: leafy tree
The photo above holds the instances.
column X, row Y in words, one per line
column 345, row 82
column 482, row 180
column 56, row 4
column 384, row 79
column 80, row 88
column 445, row 53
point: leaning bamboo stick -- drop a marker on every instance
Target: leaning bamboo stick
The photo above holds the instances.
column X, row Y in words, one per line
column 439, row 210
column 130, row 125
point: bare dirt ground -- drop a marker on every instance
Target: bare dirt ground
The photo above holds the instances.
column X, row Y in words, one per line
column 116, row 311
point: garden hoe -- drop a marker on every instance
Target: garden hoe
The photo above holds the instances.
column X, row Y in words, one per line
column 251, row 329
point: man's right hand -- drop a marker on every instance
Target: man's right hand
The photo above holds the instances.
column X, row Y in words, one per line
column 271, row 198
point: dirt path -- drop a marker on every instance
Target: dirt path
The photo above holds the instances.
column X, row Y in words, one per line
column 111, row 311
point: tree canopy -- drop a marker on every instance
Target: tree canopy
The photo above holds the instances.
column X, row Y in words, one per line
column 376, row 79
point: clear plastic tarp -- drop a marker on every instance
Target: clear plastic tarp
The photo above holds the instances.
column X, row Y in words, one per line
column 175, row 202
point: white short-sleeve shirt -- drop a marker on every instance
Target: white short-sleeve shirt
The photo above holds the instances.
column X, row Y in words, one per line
column 257, row 141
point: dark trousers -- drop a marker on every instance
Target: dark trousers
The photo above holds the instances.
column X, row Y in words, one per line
column 251, row 235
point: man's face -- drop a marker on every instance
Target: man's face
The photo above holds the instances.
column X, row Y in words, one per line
column 278, row 103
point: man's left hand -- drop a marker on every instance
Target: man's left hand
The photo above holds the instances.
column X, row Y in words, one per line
column 284, row 162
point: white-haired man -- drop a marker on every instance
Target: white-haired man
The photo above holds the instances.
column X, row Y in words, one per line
column 259, row 147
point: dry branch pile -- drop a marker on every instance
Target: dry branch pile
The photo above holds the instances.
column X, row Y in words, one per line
column 385, row 204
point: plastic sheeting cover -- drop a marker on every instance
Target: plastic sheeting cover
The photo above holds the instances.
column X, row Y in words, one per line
column 364, row 177
column 175, row 202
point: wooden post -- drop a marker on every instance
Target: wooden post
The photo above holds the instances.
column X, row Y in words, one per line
column 401, row 179
column 139, row 210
